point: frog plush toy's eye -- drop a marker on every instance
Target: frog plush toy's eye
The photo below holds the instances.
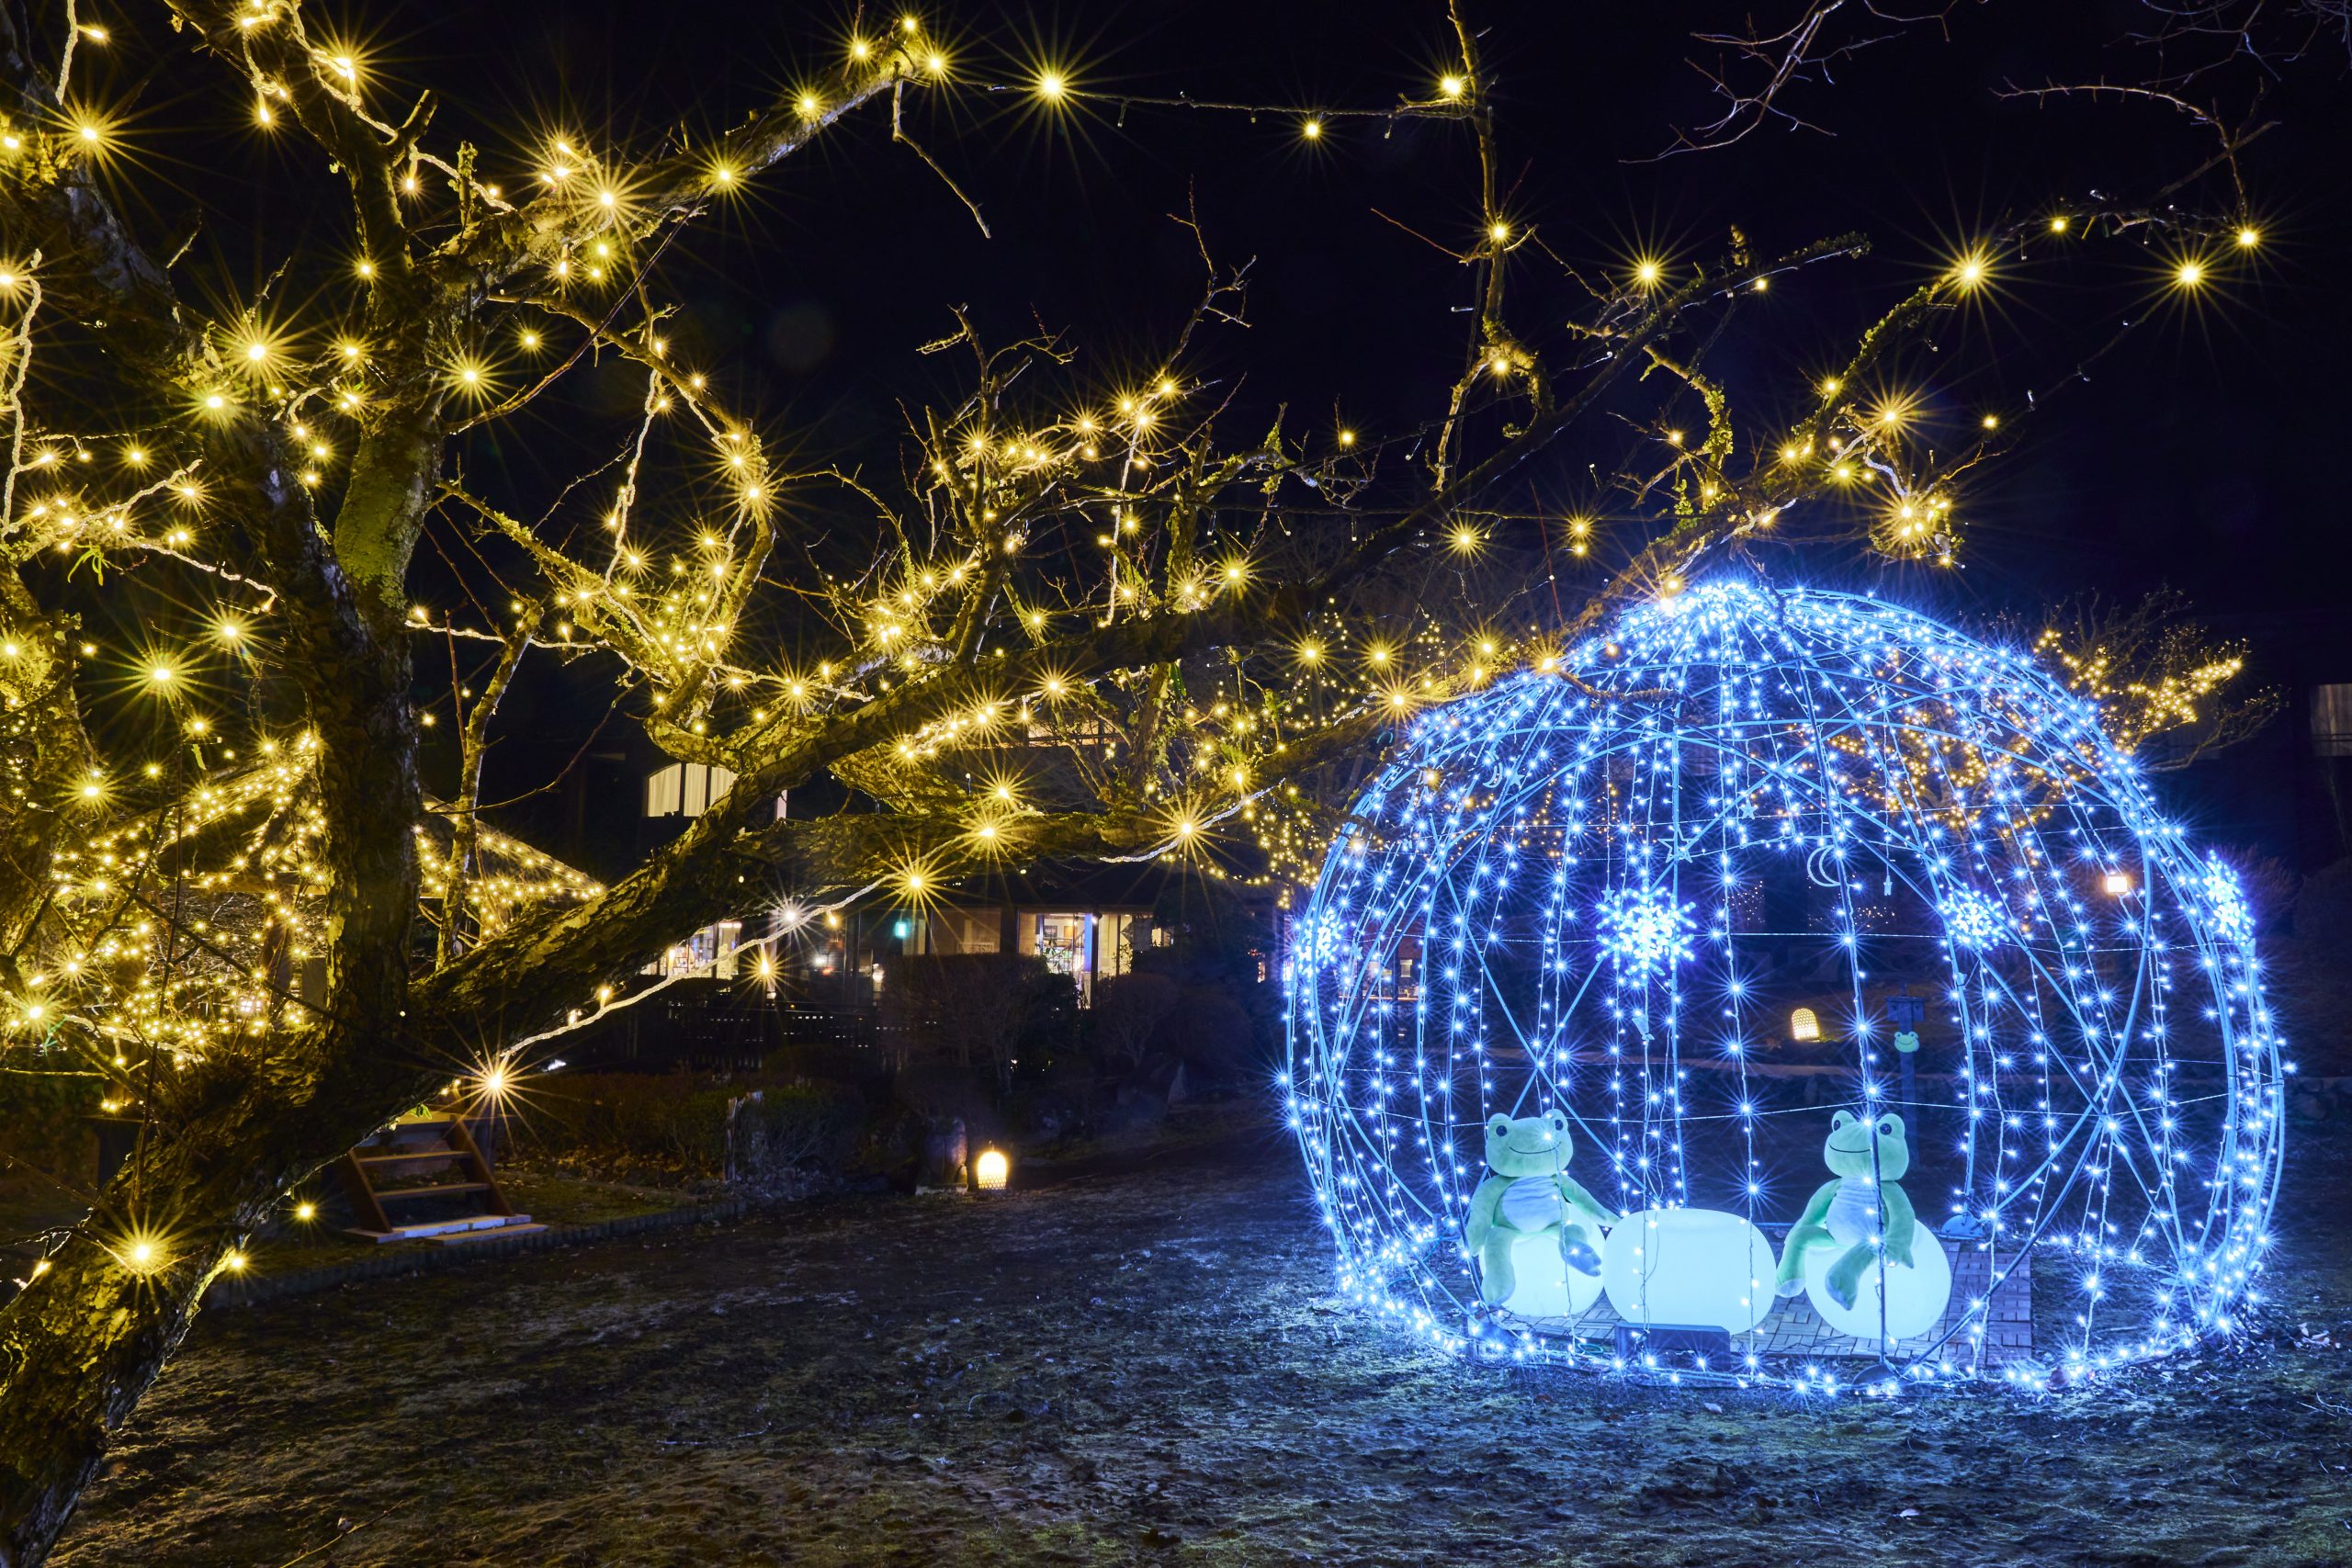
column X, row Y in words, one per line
column 1498, row 1126
column 1843, row 1120
column 1888, row 1126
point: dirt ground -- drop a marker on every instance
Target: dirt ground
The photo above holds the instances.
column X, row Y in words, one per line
column 1143, row 1362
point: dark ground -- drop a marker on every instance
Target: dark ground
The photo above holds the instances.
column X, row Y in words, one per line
column 1143, row 1364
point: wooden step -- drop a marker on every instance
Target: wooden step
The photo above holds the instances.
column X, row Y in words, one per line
column 447, row 1189
column 472, row 1226
column 415, row 1155
column 461, row 1239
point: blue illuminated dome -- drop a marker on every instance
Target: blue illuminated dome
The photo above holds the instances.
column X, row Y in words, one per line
column 1597, row 891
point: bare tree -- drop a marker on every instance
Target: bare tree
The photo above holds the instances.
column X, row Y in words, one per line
column 1156, row 638
column 2167, row 687
column 1775, row 76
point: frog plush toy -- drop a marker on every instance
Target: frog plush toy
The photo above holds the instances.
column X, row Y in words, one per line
column 1528, row 1191
column 1867, row 1200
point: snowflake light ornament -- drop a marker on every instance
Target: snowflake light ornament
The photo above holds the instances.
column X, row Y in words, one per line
column 1974, row 922
column 2225, row 901
column 1645, row 929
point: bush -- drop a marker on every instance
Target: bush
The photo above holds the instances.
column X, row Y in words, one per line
column 988, row 1010
column 850, row 1065
column 676, row 1130
column 1127, row 1013
column 791, row 1133
column 1210, row 1031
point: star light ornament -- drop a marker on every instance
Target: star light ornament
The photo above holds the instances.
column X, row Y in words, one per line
column 1593, row 888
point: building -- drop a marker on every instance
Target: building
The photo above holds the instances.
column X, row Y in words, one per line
column 1087, row 923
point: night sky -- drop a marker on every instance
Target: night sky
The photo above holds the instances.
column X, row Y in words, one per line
column 2203, row 451
column 2196, row 453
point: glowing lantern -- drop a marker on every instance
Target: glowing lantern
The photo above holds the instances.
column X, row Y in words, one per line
column 1804, row 1025
column 1547, row 1286
column 1690, row 1268
column 990, row 1169
column 1916, row 1293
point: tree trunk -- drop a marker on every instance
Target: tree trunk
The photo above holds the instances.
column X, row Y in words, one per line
column 89, row 1335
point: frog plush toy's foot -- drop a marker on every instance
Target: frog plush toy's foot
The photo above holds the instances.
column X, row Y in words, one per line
column 1845, row 1277
column 1790, row 1288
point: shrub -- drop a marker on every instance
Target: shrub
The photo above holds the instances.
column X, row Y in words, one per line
column 1209, row 1029
column 991, row 1010
column 792, row 1131
column 1127, row 1012
column 675, row 1129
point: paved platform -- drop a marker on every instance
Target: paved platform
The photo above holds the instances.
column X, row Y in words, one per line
column 1795, row 1331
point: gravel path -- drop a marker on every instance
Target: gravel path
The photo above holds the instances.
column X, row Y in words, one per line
column 1145, row 1364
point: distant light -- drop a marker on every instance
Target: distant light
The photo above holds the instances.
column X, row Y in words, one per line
column 990, row 1171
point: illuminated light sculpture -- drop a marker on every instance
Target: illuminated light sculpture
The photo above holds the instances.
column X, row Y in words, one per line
column 988, row 1173
column 1685, row 1268
column 1566, row 894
